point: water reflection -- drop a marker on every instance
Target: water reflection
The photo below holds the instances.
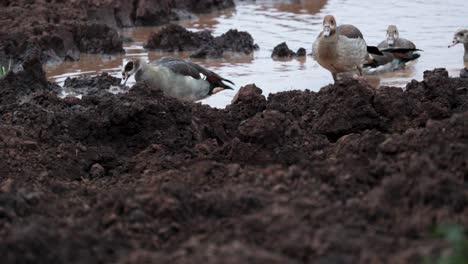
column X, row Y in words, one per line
column 209, row 21
column 301, row 6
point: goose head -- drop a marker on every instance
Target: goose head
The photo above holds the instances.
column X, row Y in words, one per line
column 392, row 35
column 131, row 68
column 461, row 36
column 329, row 26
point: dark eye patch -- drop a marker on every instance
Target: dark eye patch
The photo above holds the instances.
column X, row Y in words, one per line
column 129, row 66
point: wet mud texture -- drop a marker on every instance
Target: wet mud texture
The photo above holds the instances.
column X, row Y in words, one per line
column 59, row 30
column 86, row 85
column 202, row 44
column 283, row 51
column 348, row 174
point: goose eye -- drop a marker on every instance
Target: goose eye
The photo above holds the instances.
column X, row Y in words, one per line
column 129, row 66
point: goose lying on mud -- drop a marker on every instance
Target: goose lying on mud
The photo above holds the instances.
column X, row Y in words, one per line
column 177, row 78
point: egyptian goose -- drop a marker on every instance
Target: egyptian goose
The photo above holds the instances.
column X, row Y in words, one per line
column 396, row 51
column 461, row 36
column 177, row 78
column 341, row 49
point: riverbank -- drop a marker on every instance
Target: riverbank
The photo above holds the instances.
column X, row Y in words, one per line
column 57, row 31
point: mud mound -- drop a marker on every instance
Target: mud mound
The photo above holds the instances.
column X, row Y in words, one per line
column 282, row 51
column 87, row 85
column 18, row 88
column 97, row 38
column 332, row 111
column 236, row 41
column 176, row 38
column 58, row 43
column 348, row 174
column 55, row 31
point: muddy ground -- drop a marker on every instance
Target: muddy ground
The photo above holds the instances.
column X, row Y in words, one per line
column 57, row 30
column 348, row 174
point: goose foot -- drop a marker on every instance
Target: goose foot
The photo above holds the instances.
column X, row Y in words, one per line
column 464, row 73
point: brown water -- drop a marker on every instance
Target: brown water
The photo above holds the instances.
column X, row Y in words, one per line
column 429, row 23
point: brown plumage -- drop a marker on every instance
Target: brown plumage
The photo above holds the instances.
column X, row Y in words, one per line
column 349, row 31
column 340, row 49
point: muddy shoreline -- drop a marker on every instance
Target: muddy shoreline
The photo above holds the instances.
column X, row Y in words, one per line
column 57, row 31
column 348, row 174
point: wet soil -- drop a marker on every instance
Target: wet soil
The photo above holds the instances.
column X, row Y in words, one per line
column 202, row 44
column 348, row 174
column 283, row 51
column 57, row 31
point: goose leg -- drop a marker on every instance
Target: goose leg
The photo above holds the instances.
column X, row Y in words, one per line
column 464, row 73
column 359, row 68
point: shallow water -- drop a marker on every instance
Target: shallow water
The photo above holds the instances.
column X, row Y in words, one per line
column 429, row 23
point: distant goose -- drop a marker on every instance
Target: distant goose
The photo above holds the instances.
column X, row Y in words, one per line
column 341, row 49
column 396, row 51
column 461, row 36
column 177, row 78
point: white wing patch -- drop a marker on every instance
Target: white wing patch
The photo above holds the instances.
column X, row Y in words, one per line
column 202, row 76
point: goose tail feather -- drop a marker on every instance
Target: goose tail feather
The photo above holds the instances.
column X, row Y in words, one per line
column 374, row 50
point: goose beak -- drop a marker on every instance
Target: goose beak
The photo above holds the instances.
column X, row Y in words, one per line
column 390, row 41
column 326, row 30
column 124, row 78
column 455, row 42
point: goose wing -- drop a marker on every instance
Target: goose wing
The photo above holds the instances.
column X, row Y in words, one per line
column 353, row 32
column 379, row 60
column 404, row 43
column 179, row 66
column 188, row 68
column 349, row 31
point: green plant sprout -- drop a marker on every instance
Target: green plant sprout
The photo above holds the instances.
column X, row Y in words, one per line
column 455, row 235
column 4, row 71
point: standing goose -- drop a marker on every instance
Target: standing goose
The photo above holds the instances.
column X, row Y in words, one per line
column 341, row 49
column 461, row 36
column 396, row 51
column 177, row 78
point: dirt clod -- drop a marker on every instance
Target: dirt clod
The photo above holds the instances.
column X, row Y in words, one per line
column 56, row 31
column 282, row 51
column 202, row 44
